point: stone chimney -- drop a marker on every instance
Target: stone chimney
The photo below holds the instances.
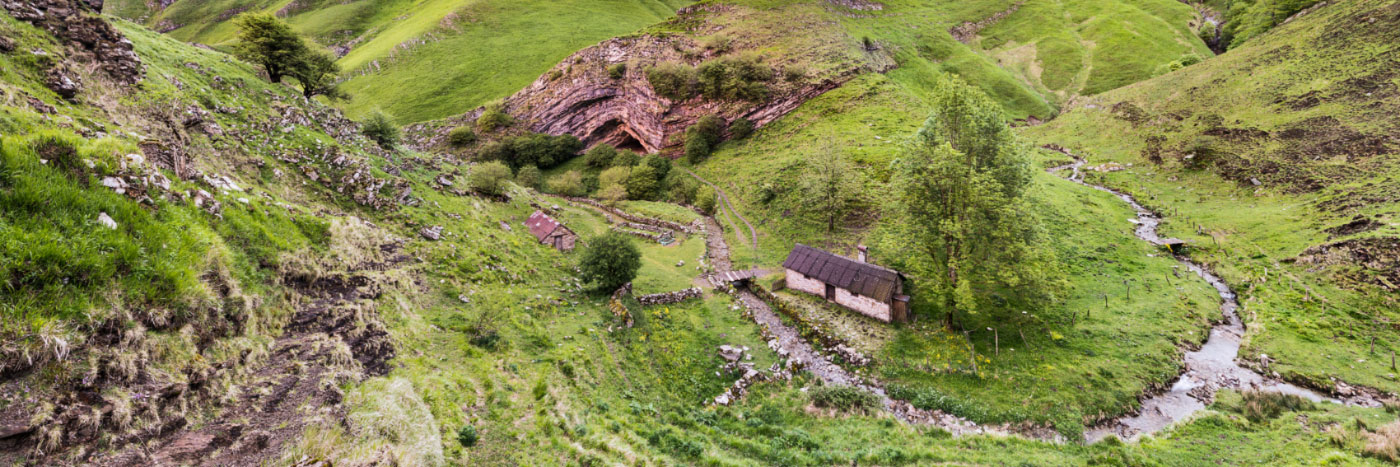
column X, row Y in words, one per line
column 860, row 253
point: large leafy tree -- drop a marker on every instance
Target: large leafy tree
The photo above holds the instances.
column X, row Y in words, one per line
column 270, row 42
column 960, row 213
column 830, row 186
column 317, row 71
column 610, row 260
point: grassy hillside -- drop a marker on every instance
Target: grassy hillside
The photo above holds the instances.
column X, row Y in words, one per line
column 1277, row 159
column 420, row 60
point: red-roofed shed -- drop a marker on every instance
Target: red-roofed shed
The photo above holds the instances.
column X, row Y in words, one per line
column 550, row 232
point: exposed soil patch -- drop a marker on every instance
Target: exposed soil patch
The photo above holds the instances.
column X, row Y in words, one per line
column 1356, row 226
column 1363, row 261
column 967, row 31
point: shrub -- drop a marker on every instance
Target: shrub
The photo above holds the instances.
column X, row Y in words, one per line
column 461, row 137
column 494, row 151
column 643, row 183
column 741, row 128
column 845, row 399
column 705, row 199
column 733, row 78
column 709, row 127
column 794, row 73
column 673, row 81
column 380, row 128
column 600, row 156
column 1261, row 405
column 489, row 178
column 701, row 138
column 696, row 149
column 529, row 176
column 493, row 118
column 617, row 71
column 610, row 260
column 568, row 184
column 542, row 150
column 662, row 165
column 683, row 189
column 625, row 158
column 614, row 176
column 467, row 436
column 611, row 194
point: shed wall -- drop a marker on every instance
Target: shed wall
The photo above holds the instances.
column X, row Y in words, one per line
column 796, row 281
column 864, row 305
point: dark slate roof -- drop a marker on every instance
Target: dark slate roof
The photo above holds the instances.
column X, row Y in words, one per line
column 862, row 278
column 541, row 225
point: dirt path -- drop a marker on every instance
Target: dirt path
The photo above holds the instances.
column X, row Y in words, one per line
column 729, row 208
column 789, row 344
column 1208, row 369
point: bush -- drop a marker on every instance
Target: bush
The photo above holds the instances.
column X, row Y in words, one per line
column 625, row 158
column 662, row 165
column 467, row 436
column 702, row 137
column 611, row 194
column 673, row 81
column 683, row 189
column 380, row 128
column 617, row 71
column 493, row 118
column 696, row 149
column 542, row 150
column 643, row 183
column 733, row 78
column 599, row 156
column 845, row 399
column 719, row 44
column 741, row 128
column 794, row 73
column 568, row 184
column 461, row 137
column 537, row 149
column 529, row 176
column 614, row 176
column 705, row 199
column 489, row 178
column 610, row 260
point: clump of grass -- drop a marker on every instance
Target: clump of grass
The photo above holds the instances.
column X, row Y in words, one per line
column 1258, row 406
column 845, row 399
column 1384, row 443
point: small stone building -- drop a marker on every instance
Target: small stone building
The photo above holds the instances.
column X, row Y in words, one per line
column 550, row 232
column 867, row 289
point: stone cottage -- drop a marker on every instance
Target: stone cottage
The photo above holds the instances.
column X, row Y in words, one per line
column 865, row 288
column 550, row 232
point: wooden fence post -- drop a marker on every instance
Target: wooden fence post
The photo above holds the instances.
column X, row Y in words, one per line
column 973, row 347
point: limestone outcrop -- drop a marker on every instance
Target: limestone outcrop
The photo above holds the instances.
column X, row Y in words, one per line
column 601, row 94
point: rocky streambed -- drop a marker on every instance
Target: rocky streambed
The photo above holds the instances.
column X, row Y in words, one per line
column 1208, row 369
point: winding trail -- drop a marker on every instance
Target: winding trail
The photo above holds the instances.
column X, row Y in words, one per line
column 729, row 208
column 1208, row 369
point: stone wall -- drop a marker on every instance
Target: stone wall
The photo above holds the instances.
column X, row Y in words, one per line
column 669, row 297
column 797, row 281
column 864, row 305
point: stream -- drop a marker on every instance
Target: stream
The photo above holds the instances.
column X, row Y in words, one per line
column 1208, row 369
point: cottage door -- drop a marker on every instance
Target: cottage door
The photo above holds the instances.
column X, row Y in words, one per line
column 830, row 292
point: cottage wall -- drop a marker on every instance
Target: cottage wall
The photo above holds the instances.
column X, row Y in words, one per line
column 796, row 281
column 864, row 305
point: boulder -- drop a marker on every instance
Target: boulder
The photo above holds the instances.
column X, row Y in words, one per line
column 433, row 233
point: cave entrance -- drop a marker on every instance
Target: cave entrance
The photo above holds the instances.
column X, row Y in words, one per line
column 630, row 143
column 619, row 134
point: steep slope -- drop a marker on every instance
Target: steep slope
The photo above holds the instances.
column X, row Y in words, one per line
column 1277, row 160
column 420, row 60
